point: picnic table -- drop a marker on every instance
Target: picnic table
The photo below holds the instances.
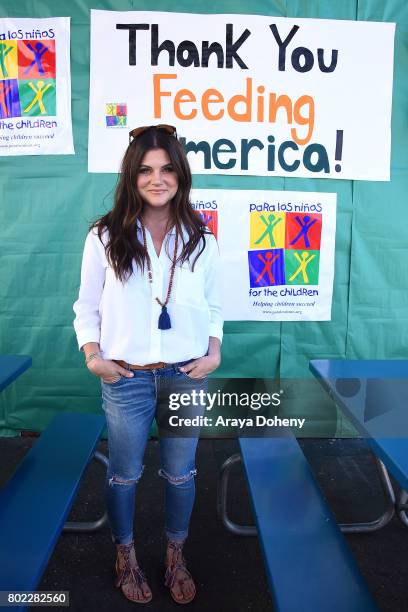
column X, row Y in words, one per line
column 373, row 394
column 36, row 500
column 306, row 557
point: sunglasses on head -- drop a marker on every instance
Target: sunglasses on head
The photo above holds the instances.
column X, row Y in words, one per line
column 170, row 129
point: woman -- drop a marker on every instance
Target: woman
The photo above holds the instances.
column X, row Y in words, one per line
column 148, row 319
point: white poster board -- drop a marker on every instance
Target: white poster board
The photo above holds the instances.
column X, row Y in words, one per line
column 277, row 252
column 249, row 94
column 35, row 87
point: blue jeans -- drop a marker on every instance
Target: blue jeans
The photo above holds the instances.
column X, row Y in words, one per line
column 130, row 405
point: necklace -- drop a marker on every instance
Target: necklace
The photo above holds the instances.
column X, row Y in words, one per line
column 164, row 318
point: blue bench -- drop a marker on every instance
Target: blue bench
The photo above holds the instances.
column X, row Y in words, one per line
column 308, row 563
column 11, row 367
column 36, row 501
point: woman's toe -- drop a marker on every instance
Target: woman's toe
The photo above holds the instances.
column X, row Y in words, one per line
column 177, row 592
column 188, row 589
column 133, row 592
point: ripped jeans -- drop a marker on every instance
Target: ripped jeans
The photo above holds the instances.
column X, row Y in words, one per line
column 130, row 405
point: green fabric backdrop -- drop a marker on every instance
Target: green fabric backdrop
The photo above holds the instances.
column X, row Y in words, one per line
column 48, row 201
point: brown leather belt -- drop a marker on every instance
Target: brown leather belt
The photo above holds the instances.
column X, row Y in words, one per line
column 148, row 366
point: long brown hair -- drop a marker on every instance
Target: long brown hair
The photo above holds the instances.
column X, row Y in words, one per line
column 123, row 246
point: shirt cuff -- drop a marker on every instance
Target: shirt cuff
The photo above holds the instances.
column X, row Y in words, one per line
column 216, row 331
column 88, row 335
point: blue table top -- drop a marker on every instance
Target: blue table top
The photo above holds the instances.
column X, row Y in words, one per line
column 11, row 366
column 374, row 396
column 360, row 368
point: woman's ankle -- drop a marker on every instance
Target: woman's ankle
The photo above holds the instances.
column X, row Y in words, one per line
column 126, row 554
column 174, row 550
column 175, row 543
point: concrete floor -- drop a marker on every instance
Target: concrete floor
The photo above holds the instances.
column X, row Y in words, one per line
column 228, row 570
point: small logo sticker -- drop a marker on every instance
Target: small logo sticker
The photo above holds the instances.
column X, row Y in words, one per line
column 116, row 115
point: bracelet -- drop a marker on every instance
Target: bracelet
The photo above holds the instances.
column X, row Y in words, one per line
column 91, row 357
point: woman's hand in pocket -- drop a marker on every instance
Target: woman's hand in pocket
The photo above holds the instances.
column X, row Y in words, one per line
column 109, row 371
column 200, row 368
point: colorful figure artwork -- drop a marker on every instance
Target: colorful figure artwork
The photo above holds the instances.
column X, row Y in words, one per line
column 285, row 249
column 27, row 78
column 116, row 115
column 9, row 99
column 210, row 219
column 266, row 268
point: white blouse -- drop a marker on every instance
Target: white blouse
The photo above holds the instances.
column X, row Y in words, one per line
column 123, row 318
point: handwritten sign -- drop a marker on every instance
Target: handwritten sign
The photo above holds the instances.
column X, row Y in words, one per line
column 248, row 94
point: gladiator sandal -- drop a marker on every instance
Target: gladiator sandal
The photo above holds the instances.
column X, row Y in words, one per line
column 129, row 577
column 178, row 564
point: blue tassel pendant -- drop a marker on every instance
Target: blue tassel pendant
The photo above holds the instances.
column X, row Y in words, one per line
column 164, row 319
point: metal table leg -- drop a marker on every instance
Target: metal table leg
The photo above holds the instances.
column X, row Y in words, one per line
column 402, row 507
column 360, row 527
column 388, row 513
column 222, row 492
column 89, row 526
